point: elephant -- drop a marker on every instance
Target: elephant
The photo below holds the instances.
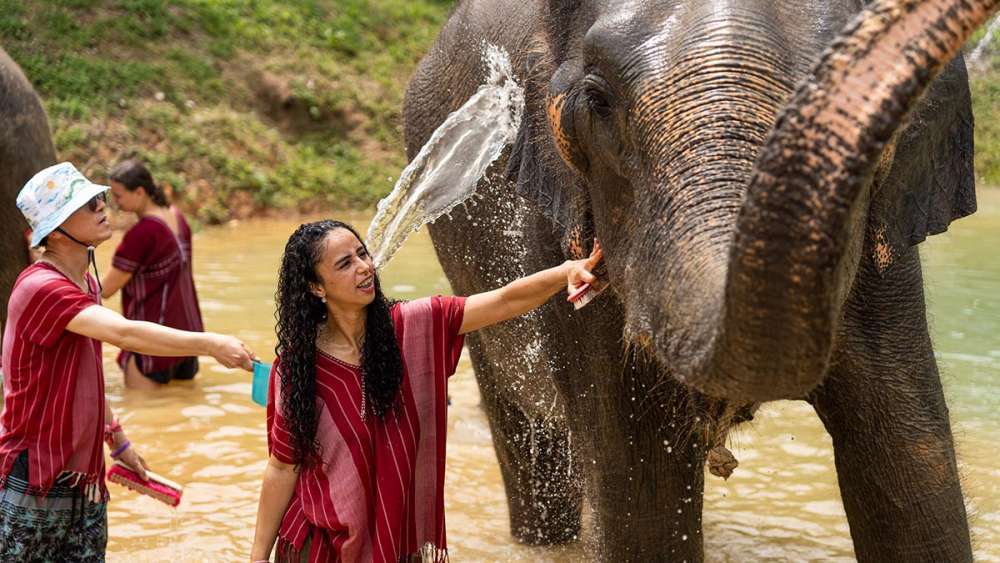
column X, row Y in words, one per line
column 25, row 148
column 759, row 174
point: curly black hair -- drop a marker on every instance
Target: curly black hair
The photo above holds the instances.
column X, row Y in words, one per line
column 300, row 314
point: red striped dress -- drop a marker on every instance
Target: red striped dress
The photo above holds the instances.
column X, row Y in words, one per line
column 379, row 493
column 161, row 289
column 53, row 384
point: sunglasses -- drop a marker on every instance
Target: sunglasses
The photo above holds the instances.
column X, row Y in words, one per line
column 92, row 204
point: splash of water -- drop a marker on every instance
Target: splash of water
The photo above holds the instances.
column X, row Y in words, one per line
column 984, row 43
column 445, row 172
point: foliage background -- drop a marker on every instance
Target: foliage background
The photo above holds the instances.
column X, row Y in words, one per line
column 985, row 77
column 244, row 106
column 238, row 105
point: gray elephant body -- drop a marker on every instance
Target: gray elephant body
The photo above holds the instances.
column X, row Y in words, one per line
column 25, row 148
column 640, row 418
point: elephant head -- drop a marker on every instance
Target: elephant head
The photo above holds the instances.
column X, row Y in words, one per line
column 733, row 205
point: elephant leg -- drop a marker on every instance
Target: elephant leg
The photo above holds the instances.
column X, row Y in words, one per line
column 544, row 496
column 647, row 497
column 883, row 406
column 645, row 465
column 516, row 362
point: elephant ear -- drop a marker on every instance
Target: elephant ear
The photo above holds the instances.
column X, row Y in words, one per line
column 535, row 180
column 538, row 173
column 543, row 179
column 930, row 181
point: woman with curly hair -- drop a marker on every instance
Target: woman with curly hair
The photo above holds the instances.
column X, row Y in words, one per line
column 356, row 415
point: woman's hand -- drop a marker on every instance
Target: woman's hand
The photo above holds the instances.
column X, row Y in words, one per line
column 524, row 294
column 134, row 461
column 231, row 352
column 579, row 271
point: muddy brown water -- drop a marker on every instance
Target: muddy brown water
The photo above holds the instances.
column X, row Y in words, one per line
column 782, row 502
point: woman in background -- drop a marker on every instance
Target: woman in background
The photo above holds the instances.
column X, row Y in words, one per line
column 152, row 267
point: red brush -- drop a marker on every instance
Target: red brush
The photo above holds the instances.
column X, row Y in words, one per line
column 158, row 486
column 586, row 292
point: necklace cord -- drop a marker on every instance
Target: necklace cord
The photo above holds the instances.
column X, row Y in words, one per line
column 91, row 257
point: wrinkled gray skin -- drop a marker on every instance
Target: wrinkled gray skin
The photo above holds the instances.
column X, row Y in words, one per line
column 743, row 269
column 25, row 148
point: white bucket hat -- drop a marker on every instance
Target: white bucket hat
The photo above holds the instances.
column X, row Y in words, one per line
column 52, row 195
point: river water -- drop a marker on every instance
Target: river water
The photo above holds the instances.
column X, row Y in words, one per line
column 781, row 503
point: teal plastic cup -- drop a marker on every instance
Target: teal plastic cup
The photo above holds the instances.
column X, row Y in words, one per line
column 261, row 380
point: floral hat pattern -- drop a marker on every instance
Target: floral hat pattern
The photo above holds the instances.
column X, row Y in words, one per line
column 52, row 195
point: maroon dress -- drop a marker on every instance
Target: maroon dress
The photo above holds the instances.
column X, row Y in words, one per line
column 161, row 289
column 378, row 495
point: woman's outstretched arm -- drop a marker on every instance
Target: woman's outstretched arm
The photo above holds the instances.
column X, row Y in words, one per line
column 524, row 294
column 101, row 323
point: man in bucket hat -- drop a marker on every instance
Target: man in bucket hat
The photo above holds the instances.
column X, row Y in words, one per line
column 52, row 492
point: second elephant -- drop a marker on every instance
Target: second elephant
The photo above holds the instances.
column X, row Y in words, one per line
column 25, row 148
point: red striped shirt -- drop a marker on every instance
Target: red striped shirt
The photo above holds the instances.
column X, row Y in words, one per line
column 379, row 493
column 53, row 382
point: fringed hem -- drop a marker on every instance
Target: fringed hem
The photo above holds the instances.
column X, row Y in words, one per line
column 429, row 553
column 96, row 493
column 91, row 486
column 286, row 552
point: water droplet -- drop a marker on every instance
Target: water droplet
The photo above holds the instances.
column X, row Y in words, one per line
column 439, row 178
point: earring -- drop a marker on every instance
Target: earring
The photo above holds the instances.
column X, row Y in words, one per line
column 323, row 299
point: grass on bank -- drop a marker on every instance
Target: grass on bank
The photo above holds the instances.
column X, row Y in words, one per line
column 984, row 74
column 986, row 108
column 239, row 105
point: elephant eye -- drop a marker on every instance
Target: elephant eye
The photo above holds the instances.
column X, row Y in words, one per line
column 596, row 92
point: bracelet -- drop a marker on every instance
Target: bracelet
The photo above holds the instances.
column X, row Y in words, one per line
column 120, row 450
column 109, row 431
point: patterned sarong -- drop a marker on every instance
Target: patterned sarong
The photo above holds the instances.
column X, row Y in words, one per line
column 61, row 526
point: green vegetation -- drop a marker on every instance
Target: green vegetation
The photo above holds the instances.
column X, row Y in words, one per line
column 986, row 108
column 238, row 105
column 985, row 76
column 246, row 105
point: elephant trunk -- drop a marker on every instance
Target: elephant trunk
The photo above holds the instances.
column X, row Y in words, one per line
column 771, row 334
